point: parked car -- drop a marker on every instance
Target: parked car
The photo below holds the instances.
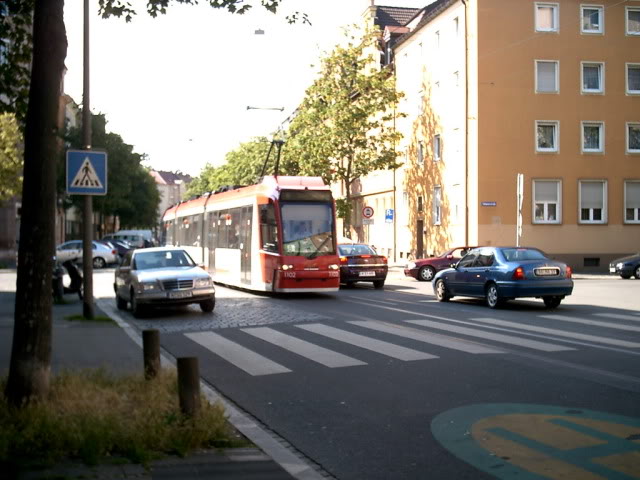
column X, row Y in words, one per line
column 120, row 246
column 161, row 276
column 103, row 255
column 425, row 268
column 499, row 274
column 136, row 240
column 361, row 263
column 626, row 266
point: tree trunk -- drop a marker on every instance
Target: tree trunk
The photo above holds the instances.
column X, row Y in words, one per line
column 30, row 367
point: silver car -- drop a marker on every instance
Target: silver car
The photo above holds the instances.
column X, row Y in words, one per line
column 72, row 250
column 162, row 276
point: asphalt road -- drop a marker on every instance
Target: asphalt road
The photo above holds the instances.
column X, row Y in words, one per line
column 392, row 384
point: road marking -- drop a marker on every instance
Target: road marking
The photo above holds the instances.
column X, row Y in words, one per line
column 305, row 349
column 243, row 358
column 559, row 333
column 596, row 323
column 497, row 337
column 617, row 316
column 378, row 346
column 431, row 338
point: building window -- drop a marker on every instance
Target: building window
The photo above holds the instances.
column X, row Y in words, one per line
column 420, row 153
column 633, row 20
column 593, row 201
column 592, row 18
column 547, row 76
column 592, row 137
column 546, row 15
column 546, row 201
column 633, row 137
column 437, row 205
column 632, row 201
column 592, row 77
column 456, row 79
column 438, row 38
column 633, row 78
column 547, row 136
column 456, row 25
column 420, row 204
column 437, row 148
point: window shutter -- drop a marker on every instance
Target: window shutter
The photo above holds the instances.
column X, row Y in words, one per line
column 547, row 77
column 633, row 195
column 546, row 191
column 591, row 195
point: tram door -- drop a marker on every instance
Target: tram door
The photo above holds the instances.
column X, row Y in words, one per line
column 245, row 244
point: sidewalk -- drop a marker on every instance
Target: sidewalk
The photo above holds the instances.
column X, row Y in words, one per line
column 82, row 344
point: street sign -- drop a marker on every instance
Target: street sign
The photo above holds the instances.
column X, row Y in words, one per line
column 388, row 215
column 367, row 221
column 367, row 212
column 86, row 172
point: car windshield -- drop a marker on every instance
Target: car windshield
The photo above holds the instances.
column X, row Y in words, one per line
column 517, row 254
column 162, row 259
column 347, row 250
column 308, row 229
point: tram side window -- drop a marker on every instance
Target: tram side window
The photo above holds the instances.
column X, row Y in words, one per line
column 212, row 230
column 234, row 228
column 223, row 229
column 195, row 231
column 268, row 228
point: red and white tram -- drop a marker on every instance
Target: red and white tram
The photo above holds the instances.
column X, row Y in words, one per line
column 276, row 236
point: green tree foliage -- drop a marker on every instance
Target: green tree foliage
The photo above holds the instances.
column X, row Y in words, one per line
column 132, row 194
column 345, row 126
column 10, row 157
column 242, row 166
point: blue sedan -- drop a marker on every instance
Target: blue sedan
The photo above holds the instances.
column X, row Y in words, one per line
column 498, row 274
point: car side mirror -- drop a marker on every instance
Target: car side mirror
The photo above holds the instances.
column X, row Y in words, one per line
column 454, row 265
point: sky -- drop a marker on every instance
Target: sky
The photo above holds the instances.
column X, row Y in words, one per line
column 177, row 87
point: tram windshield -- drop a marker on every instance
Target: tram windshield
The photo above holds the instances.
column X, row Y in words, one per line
column 307, row 229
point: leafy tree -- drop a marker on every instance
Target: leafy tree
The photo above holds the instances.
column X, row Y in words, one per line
column 10, row 157
column 243, row 167
column 30, row 367
column 345, row 125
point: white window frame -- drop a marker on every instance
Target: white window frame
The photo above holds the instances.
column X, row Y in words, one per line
column 420, row 153
column 626, row 78
column 636, row 213
column 626, row 19
column 600, row 148
column 556, row 16
column 598, row 91
column 556, row 147
column 437, row 205
column 600, row 9
column 603, row 219
column 628, row 126
column 558, row 203
column 557, row 79
column 437, row 147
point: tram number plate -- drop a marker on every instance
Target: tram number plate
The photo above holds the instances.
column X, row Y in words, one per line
column 186, row 294
column 367, row 274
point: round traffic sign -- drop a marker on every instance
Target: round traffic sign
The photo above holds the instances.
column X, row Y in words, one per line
column 367, row 212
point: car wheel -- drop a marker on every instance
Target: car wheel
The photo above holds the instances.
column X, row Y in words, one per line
column 636, row 272
column 626, row 276
column 207, row 306
column 378, row 284
column 425, row 274
column 442, row 294
column 136, row 309
column 492, row 297
column 121, row 303
column 551, row 302
column 99, row 262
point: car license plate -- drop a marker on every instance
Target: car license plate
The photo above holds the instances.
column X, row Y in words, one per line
column 367, row 274
column 612, row 269
column 546, row 272
column 186, row 294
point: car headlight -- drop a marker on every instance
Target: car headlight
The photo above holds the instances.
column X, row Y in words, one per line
column 148, row 286
column 203, row 282
column 411, row 265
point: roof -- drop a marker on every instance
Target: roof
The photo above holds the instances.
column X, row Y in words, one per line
column 393, row 16
column 430, row 12
column 169, row 178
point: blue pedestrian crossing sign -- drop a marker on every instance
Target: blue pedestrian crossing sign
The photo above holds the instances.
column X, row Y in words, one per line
column 86, row 172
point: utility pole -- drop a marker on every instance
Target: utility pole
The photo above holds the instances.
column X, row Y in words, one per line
column 519, row 198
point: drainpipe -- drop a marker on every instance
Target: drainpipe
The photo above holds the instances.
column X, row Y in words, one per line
column 466, row 119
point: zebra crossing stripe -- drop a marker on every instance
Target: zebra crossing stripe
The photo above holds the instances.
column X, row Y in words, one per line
column 596, row 323
column 422, row 336
column 618, row 316
column 313, row 352
column 559, row 333
column 243, row 358
column 378, row 346
column 496, row 337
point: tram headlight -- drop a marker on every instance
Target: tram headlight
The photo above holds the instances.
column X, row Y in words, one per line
column 286, row 267
column 333, row 266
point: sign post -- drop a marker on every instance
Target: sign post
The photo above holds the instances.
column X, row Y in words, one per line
column 367, row 213
column 519, row 198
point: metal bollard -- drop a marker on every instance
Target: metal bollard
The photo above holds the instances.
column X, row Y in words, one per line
column 189, row 385
column 151, row 353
